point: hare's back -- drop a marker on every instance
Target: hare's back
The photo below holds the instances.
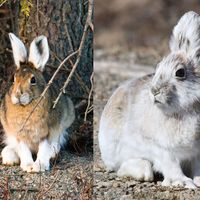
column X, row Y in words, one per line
column 117, row 107
column 115, row 116
column 63, row 113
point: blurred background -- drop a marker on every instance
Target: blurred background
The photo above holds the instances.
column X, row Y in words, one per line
column 142, row 26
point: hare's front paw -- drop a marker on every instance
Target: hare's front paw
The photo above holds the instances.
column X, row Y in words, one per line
column 38, row 167
column 25, row 166
column 139, row 169
column 9, row 156
column 179, row 182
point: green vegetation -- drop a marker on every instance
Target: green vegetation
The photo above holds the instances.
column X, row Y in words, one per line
column 25, row 5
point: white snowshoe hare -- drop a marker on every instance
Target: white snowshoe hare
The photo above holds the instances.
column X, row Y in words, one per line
column 45, row 131
column 152, row 124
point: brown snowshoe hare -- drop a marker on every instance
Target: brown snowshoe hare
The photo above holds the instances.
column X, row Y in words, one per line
column 45, row 131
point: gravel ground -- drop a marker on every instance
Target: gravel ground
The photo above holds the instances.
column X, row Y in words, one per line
column 70, row 178
column 109, row 73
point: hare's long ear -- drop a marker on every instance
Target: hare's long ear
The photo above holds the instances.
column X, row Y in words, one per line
column 186, row 35
column 39, row 52
column 19, row 50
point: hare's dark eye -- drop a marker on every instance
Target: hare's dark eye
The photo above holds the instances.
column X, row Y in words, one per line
column 33, row 80
column 180, row 73
column 13, row 79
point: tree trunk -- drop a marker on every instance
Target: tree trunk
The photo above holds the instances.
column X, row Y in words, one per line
column 62, row 21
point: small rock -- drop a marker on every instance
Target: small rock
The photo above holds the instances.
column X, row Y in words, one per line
column 126, row 197
column 159, row 183
column 131, row 183
column 104, row 184
column 118, row 179
column 97, row 169
column 116, row 184
column 111, row 176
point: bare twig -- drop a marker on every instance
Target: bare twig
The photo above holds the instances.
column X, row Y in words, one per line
column 37, row 15
column 7, row 190
column 2, row 2
column 42, row 193
column 25, row 194
column 89, row 97
column 66, row 29
column 24, row 189
column 76, row 75
column 78, row 52
column 87, row 25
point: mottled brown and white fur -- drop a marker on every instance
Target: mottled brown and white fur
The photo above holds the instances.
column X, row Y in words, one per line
column 45, row 130
column 153, row 123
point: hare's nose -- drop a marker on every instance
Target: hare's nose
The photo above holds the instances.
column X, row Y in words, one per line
column 19, row 91
column 155, row 91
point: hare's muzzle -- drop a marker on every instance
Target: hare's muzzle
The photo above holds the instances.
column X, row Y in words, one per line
column 22, row 99
column 156, row 94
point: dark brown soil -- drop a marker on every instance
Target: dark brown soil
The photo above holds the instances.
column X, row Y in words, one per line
column 70, row 178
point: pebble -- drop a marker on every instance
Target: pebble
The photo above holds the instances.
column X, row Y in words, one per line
column 116, row 184
column 131, row 183
column 104, row 184
column 97, row 169
column 126, row 197
column 159, row 183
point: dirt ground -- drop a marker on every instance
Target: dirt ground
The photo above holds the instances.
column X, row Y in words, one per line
column 110, row 71
column 70, row 178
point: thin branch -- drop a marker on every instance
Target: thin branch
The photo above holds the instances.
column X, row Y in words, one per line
column 2, row 2
column 79, row 52
column 24, row 189
column 90, row 108
column 87, row 25
column 89, row 97
column 76, row 75
column 37, row 15
column 66, row 29
column 42, row 193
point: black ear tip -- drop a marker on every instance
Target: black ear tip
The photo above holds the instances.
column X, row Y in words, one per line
column 10, row 36
column 39, row 46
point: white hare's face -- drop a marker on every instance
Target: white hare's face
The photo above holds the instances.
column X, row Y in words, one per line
column 175, row 85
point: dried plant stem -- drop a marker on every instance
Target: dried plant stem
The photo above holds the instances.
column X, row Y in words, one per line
column 89, row 98
column 80, row 49
column 78, row 52
column 76, row 75
column 42, row 193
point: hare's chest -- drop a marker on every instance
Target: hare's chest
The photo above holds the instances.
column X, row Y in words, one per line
column 26, row 125
column 177, row 132
column 170, row 132
column 33, row 130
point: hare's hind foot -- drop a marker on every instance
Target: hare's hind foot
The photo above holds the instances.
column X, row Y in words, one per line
column 9, row 156
column 196, row 181
column 139, row 169
column 179, row 182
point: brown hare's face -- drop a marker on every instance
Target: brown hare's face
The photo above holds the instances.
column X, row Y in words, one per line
column 28, row 85
column 29, row 82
